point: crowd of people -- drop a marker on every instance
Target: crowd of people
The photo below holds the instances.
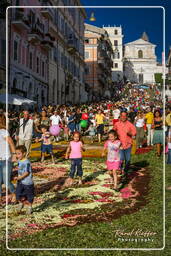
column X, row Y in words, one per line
column 116, row 125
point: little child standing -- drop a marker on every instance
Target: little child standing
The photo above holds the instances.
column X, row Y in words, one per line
column 74, row 152
column 66, row 131
column 112, row 146
column 25, row 185
column 46, row 143
column 91, row 132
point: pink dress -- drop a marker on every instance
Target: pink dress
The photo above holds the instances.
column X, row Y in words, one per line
column 113, row 156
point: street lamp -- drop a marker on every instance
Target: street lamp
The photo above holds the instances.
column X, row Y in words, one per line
column 92, row 17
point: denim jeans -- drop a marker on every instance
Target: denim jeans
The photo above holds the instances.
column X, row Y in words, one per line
column 78, row 127
column 3, row 170
column 125, row 156
column 76, row 163
column 169, row 156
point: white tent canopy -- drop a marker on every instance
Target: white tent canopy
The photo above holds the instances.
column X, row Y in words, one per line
column 15, row 99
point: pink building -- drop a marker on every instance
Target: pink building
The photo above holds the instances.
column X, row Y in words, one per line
column 29, row 46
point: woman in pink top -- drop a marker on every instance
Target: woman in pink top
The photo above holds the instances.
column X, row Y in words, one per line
column 74, row 152
column 112, row 146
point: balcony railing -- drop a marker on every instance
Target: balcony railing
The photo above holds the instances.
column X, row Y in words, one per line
column 47, row 44
column 33, row 37
column 72, row 48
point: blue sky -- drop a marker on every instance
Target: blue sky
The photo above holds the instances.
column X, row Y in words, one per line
column 134, row 21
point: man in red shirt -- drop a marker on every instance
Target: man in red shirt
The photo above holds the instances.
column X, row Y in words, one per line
column 126, row 132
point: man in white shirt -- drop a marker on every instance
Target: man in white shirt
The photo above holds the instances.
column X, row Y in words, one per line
column 55, row 119
column 25, row 131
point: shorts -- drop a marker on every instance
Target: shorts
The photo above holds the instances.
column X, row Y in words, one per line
column 100, row 129
column 26, row 191
column 46, row 148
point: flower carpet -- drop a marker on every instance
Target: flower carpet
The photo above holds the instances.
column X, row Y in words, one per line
column 94, row 200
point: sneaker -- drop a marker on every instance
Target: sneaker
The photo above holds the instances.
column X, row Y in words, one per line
column 29, row 211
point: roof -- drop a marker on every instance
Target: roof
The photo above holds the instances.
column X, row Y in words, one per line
column 94, row 29
column 140, row 42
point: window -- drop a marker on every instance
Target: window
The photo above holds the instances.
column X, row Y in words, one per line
column 87, row 41
column 3, row 52
column 43, row 68
column 140, row 54
column 116, row 65
column 116, row 54
column 116, row 32
column 55, row 54
column 53, row 91
column 115, row 42
column 37, row 64
column 87, row 55
column 15, row 50
column 31, row 60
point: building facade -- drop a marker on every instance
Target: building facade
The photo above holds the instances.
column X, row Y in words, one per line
column 140, row 61
column 46, row 52
column 169, row 64
column 29, row 47
column 98, row 58
column 116, row 38
column 66, row 62
column 3, row 5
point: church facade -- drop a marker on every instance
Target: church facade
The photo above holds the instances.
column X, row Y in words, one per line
column 140, row 61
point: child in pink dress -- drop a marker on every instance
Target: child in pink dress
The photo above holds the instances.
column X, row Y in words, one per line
column 74, row 152
column 112, row 146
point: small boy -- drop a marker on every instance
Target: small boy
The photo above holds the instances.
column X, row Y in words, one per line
column 46, row 143
column 25, row 185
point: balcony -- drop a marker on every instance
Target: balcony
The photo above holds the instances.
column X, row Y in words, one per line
column 71, row 46
column 47, row 45
column 47, row 13
column 20, row 21
column 33, row 37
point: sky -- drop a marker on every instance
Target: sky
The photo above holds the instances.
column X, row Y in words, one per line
column 134, row 21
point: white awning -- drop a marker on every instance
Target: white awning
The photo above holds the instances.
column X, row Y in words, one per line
column 15, row 99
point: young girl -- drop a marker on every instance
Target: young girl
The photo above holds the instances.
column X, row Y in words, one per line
column 91, row 132
column 25, row 185
column 112, row 146
column 74, row 152
column 46, row 143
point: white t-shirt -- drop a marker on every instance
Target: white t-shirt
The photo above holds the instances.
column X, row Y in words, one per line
column 5, row 149
column 55, row 120
column 139, row 122
column 116, row 113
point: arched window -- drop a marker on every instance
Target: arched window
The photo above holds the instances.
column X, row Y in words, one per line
column 140, row 54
